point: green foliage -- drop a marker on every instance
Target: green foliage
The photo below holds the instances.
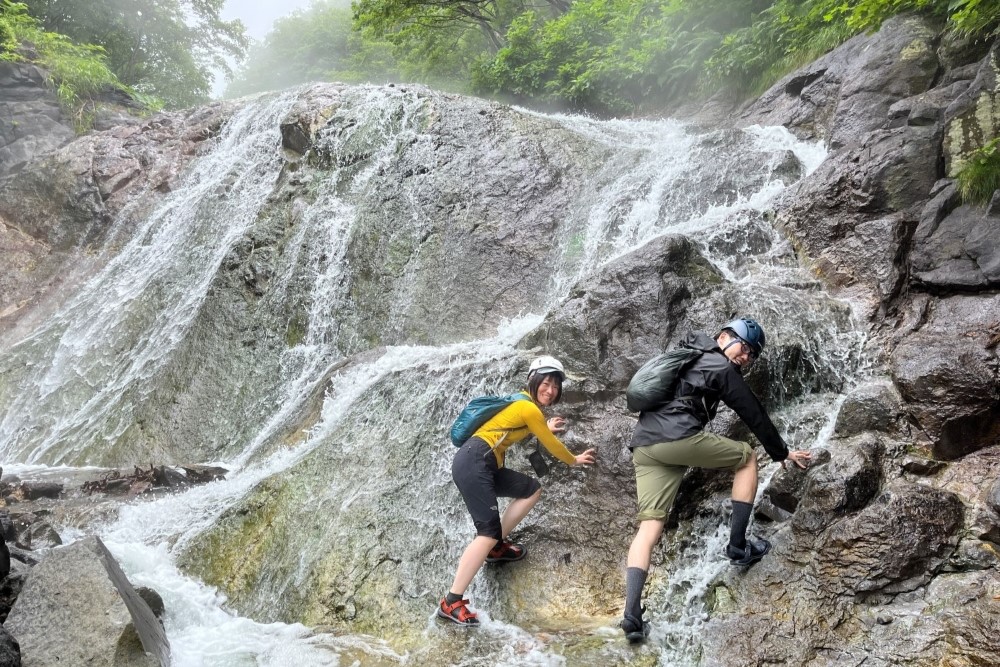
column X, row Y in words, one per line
column 162, row 48
column 78, row 72
column 611, row 56
column 975, row 18
column 979, row 179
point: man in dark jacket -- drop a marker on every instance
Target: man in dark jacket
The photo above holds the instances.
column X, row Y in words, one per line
column 672, row 438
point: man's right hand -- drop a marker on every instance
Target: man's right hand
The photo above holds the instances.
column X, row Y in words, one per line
column 586, row 458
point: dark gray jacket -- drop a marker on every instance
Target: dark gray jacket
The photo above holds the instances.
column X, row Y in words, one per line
column 711, row 379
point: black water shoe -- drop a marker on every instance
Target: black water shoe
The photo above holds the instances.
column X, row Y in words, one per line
column 635, row 629
column 753, row 552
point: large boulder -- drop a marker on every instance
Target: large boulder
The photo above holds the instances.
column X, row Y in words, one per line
column 614, row 321
column 78, row 608
column 872, row 406
column 895, row 544
column 844, row 484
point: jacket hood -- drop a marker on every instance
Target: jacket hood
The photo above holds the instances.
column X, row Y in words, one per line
column 699, row 340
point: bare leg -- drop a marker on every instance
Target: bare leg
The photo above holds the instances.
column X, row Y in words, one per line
column 472, row 559
column 516, row 511
column 641, row 551
column 639, row 555
column 745, row 481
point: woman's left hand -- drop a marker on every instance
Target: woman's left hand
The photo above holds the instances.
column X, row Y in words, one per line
column 556, row 424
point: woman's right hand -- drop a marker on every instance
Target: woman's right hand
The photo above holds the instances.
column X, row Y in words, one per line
column 587, row 458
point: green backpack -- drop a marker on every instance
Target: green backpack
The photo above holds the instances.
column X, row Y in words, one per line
column 654, row 384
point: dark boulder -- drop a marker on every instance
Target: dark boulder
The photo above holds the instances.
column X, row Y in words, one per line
column 10, row 651
column 948, row 375
column 845, row 484
column 614, row 321
column 875, row 406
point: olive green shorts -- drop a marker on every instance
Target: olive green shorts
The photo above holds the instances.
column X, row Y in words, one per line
column 659, row 468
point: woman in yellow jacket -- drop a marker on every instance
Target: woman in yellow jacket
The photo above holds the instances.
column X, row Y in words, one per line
column 481, row 477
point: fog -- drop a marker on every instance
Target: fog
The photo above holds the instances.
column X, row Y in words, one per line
column 259, row 16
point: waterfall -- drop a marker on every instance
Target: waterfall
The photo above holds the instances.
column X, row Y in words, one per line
column 73, row 386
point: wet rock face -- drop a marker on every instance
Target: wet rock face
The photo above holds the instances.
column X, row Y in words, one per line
column 893, row 545
column 948, row 375
column 56, row 215
column 31, row 122
column 956, row 247
column 973, row 118
column 847, row 93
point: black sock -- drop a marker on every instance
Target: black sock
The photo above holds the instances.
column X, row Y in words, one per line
column 738, row 524
column 635, row 579
column 452, row 598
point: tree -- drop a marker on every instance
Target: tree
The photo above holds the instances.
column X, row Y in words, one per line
column 491, row 17
column 165, row 48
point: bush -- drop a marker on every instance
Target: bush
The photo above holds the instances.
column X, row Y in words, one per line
column 980, row 177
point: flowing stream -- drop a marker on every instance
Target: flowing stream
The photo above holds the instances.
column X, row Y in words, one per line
column 73, row 385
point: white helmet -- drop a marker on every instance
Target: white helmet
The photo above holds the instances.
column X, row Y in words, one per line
column 546, row 364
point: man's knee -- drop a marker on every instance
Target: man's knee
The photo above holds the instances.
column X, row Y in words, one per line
column 751, row 461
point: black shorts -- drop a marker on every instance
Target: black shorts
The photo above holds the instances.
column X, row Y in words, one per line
column 481, row 481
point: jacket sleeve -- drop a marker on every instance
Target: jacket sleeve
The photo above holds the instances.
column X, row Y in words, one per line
column 737, row 394
column 535, row 421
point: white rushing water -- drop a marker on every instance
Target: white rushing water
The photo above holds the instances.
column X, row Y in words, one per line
column 89, row 362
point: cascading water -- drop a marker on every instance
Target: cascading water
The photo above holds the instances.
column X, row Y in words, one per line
column 72, row 386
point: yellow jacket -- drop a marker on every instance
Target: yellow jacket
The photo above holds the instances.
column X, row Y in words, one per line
column 515, row 423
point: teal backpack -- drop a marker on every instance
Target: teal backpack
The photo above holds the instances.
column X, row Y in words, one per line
column 479, row 411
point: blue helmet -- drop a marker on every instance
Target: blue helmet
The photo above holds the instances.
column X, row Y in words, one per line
column 749, row 332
